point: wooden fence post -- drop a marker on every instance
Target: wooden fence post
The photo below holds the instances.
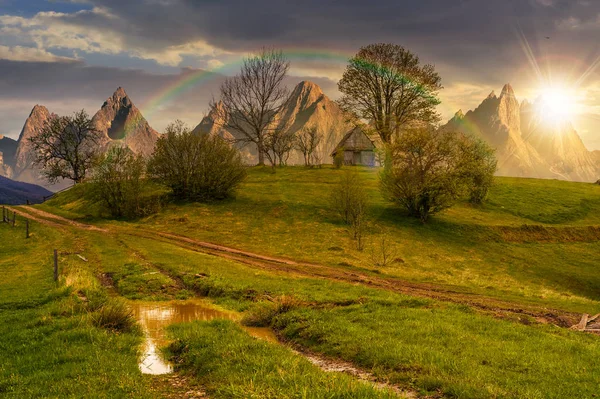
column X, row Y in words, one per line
column 14, row 218
column 26, row 228
column 55, row 265
column 3, row 213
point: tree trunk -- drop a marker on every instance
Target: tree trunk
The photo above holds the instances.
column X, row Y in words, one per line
column 261, row 152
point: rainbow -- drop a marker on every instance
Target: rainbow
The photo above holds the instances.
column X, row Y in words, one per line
column 191, row 80
column 194, row 79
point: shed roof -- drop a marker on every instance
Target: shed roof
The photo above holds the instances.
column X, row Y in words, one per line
column 355, row 140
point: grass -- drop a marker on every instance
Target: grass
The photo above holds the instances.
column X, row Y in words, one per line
column 230, row 364
column 450, row 349
column 437, row 348
column 499, row 249
column 49, row 345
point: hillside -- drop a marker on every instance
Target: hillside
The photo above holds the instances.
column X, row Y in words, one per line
column 544, row 223
column 17, row 193
column 480, row 291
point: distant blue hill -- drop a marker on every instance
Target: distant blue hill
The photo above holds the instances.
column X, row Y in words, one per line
column 18, row 193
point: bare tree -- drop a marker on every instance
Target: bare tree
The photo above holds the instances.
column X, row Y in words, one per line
column 383, row 251
column 349, row 199
column 66, row 147
column 387, row 85
column 251, row 100
column 278, row 145
column 307, row 141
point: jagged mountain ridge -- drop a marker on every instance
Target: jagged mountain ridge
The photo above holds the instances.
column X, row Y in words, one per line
column 525, row 145
column 307, row 106
column 119, row 121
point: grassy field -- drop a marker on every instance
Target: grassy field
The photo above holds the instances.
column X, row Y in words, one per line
column 499, row 251
column 50, row 346
column 56, row 343
column 531, row 242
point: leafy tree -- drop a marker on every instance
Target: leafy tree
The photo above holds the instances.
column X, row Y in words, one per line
column 251, row 100
column 430, row 170
column 118, row 183
column 196, row 167
column 66, row 147
column 307, row 141
column 387, row 85
column 479, row 165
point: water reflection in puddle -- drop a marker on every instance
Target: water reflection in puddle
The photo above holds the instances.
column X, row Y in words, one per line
column 154, row 317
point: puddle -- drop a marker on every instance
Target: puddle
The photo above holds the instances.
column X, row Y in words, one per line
column 154, row 317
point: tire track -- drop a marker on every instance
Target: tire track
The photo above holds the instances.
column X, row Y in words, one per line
column 488, row 305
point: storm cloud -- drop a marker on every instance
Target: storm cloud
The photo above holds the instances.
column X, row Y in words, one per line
column 476, row 45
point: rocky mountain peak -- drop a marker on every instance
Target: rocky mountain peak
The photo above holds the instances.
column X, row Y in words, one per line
column 120, row 120
column 24, row 157
column 304, row 94
column 507, row 90
column 307, row 106
column 491, row 96
column 525, row 144
column 459, row 114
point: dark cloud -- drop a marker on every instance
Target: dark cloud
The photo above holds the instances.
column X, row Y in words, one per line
column 476, row 45
column 483, row 36
column 67, row 87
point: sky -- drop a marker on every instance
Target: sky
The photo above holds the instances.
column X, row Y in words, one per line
column 172, row 55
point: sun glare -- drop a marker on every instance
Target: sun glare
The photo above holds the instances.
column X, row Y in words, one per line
column 556, row 105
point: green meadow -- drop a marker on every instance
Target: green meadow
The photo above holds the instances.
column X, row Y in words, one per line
column 533, row 245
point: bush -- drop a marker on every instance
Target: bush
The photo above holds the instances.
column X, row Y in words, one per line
column 262, row 315
column 196, row 167
column 349, row 200
column 114, row 315
column 478, row 165
column 430, row 170
column 338, row 159
column 118, row 184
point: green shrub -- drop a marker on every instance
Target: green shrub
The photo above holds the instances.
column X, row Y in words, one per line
column 338, row 159
column 431, row 169
column 114, row 315
column 196, row 167
column 118, row 183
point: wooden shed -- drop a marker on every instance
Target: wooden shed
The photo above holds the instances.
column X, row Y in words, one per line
column 357, row 147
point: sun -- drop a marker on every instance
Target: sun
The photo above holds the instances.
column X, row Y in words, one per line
column 556, row 104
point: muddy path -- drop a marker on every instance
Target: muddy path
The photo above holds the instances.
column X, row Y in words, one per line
column 492, row 306
column 495, row 307
column 175, row 385
column 51, row 219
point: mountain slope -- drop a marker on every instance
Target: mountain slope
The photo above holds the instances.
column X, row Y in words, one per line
column 17, row 193
column 120, row 121
column 307, row 106
column 23, row 160
column 8, row 148
column 525, row 145
column 559, row 144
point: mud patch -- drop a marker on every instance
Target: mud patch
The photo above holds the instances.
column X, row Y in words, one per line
column 154, row 317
